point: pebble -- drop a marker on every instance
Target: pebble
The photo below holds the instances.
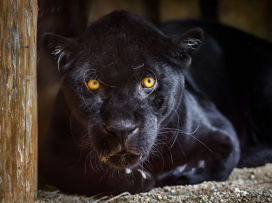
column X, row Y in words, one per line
column 159, row 197
column 244, row 193
column 167, row 189
column 237, row 190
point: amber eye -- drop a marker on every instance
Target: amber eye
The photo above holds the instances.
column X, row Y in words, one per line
column 93, row 84
column 148, row 82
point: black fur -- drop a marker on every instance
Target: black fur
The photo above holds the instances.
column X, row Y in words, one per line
column 193, row 125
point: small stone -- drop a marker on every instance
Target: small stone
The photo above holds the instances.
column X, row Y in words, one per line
column 244, row 193
column 159, row 197
column 237, row 190
column 167, row 189
column 173, row 191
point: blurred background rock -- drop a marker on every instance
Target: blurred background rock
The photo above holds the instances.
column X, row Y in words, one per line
column 69, row 18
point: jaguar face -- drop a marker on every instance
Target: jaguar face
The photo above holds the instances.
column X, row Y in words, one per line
column 123, row 79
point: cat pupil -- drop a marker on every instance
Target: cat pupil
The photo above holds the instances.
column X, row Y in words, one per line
column 94, row 83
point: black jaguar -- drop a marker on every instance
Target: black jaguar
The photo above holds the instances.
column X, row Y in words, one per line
column 137, row 111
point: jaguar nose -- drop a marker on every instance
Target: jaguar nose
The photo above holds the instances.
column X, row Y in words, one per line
column 121, row 130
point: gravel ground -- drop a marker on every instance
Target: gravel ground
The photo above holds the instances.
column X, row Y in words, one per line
column 244, row 185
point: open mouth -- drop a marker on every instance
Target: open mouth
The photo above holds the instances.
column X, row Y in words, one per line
column 122, row 159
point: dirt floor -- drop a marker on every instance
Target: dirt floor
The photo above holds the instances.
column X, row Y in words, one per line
column 244, row 185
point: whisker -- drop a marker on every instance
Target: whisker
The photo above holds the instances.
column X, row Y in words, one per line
column 139, row 66
column 182, row 150
column 86, row 162
column 154, row 153
column 96, row 76
column 176, row 134
column 71, row 126
column 107, row 170
column 180, row 131
column 191, row 134
column 91, row 163
column 169, row 148
column 201, row 143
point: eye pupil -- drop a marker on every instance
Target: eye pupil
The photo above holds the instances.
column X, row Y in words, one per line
column 149, row 81
column 94, row 83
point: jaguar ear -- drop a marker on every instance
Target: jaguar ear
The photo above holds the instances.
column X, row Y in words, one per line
column 61, row 48
column 185, row 45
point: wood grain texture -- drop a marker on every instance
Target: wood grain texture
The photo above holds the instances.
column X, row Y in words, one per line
column 18, row 100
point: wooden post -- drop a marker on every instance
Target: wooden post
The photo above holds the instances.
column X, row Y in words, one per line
column 18, row 101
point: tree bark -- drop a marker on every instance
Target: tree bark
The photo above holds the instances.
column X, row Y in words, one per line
column 18, row 101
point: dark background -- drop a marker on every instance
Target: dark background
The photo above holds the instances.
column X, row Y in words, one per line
column 253, row 16
column 69, row 18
